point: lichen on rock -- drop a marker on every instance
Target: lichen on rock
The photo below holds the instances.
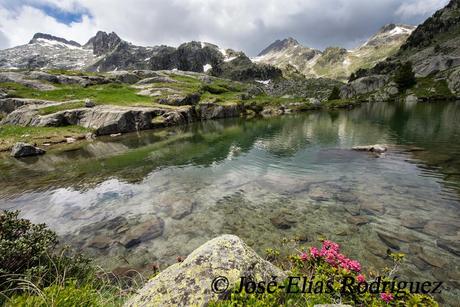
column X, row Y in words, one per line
column 189, row 283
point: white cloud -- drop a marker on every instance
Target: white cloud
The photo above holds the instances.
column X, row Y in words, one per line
column 21, row 25
column 248, row 25
column 419, row 7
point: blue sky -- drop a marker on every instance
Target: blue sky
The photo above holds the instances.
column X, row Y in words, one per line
column 248, row 25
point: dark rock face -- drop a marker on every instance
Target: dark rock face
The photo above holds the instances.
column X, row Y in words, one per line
column 103, row 42
column 25, row 150
column 243, row 69
column 52, row 38
column 193, row 56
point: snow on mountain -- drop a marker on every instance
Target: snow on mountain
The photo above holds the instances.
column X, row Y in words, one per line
column 335, row 63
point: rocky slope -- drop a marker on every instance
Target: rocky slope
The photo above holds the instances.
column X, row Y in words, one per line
column 433, row 47
column 108, row 52
column 334, row 62
column 434, row 51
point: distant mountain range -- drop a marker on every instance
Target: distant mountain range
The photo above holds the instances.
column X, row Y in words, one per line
column 108, row 52
column 335, row 62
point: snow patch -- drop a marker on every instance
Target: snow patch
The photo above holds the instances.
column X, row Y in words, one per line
column 230, row 59
column 56, row 43
column 207, row 67
column 399, row 31
column 223, row 51
column 264, row 82
column 257, row 59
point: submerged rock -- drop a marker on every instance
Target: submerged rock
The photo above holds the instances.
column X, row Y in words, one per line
column 371, row 148
column 389, row 240
column 450, row 246
column 413, row 223
column 283, row 221
column 20, row 150
column 190, row 283
column 358, row 220
column 144, row 231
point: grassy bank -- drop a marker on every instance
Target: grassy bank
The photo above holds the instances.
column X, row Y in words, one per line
column 9, row 135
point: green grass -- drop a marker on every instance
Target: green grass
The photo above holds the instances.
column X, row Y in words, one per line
column 72, row 72
column 11, row 134
column 428, row 87
column 115, row 94
column 61, row 107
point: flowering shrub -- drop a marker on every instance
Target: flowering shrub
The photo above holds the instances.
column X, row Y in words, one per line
column 331, row 278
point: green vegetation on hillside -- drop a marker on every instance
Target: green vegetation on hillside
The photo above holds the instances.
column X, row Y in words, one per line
column 114, row 93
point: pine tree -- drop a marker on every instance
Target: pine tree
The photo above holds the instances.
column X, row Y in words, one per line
column 335, row 94
column 405, row 76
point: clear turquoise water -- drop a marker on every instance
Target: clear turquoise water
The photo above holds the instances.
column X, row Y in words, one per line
column 263, row 180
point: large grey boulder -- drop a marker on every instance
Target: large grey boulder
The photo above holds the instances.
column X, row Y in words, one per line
column 363, row 85
column 189, row 283
column 21, row 149
column 210, row 110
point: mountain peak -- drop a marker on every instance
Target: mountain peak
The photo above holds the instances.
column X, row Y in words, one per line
column 279, row 45
column 392, row 27
column 388, row 33
column 103, row 42
column 48, row 37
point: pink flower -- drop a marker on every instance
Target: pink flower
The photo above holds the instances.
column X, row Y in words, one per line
column 360, row 278
column 386, row 297
column 354, row 265
column 314, row 252
column 304, row 256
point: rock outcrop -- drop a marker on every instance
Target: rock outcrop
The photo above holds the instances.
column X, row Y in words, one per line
column 104, row 120
column 8, row 105
column 190, row 283
column 210, row 110
column 21, row 149
column 363, row 86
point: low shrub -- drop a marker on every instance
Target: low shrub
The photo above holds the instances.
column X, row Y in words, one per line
column 35, row 271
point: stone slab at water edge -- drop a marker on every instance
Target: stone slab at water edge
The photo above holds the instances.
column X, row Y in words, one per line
column 25, row 150
column 189, row 283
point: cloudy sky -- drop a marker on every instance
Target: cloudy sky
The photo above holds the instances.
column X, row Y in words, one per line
column 248, row 25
